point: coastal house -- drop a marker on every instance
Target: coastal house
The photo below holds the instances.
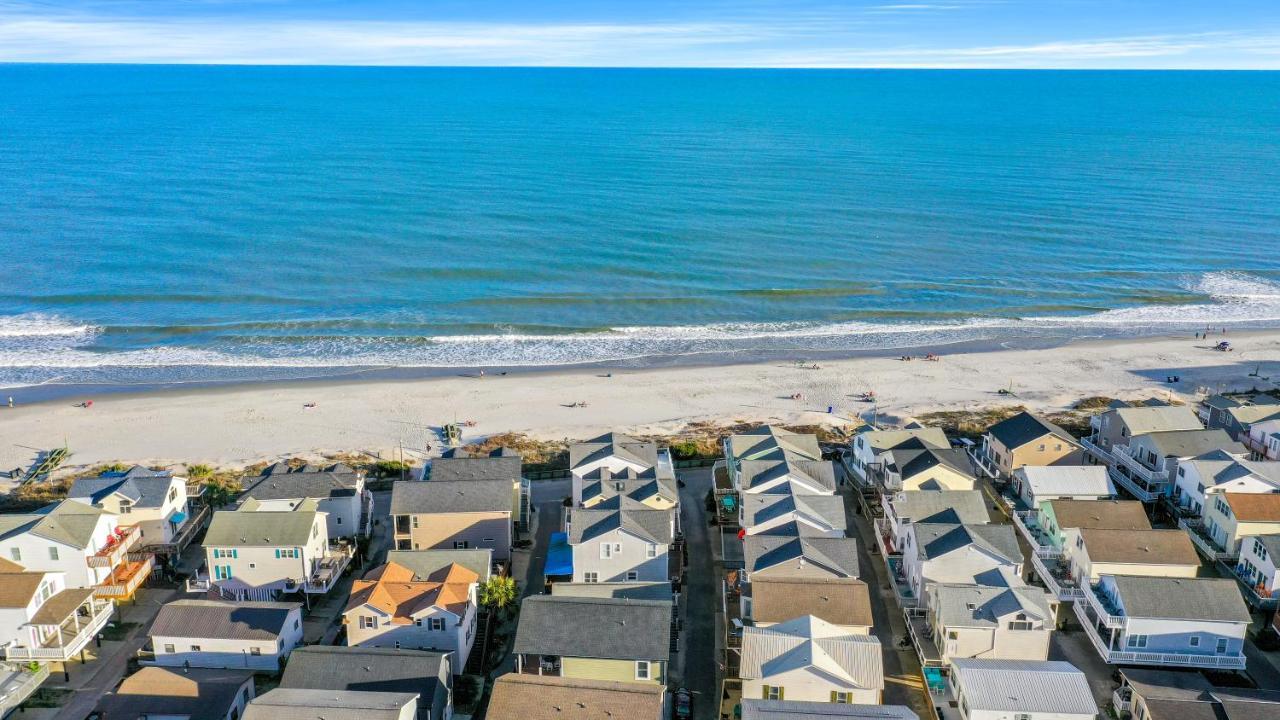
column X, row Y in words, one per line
column 453, row 514
column 1152, row 553
column 1263, row 439
column 866, row 458
column 153, row 501
column 913, row 465
column 518, row 696
column 338, row 491
column 83, row 542
column 1257, row 566
column 780, row 556
column 613, row 640
column 1148, row 694
column 1053, row 530
column 1036, row 484
column 1020, row 690
column 187, row 694
column 793, row 515
column 425, row 563
column 1230, row 518
column 809, row 659
column 257, row 554
column 842, row 602
column 1166, row 621
column 619, row 590
column 392, row 607
column 965, row 507
column 41, row 619
column 1239, row 421
column 620, row 540
column 1118, row 425
column 615, row 464
column 973, row 621
column 756, row 709
column 224, row 634
column 1026, row 439
column 502, row 464
column 297, row 704
column 770, row 460
column 429, row 675
column 1220, row 471
column 958, row 554
column 1147, row 466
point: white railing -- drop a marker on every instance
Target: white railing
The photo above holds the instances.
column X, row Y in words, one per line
column 1204, row 544
column 1128, row 483
column 20, row 685
column 1102, row 454
column 1023, row 519
column 327, row 570
column 1125, row 657
column 1135, row 467
column 121, row 585
column 198, row 584
column 66, row 647
column 1062, row 591
column 983, row 463
column 112, row 555
column 1122, row 700
column 1102, row 612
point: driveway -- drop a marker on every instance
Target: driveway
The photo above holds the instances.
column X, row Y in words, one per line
column 546, row 498
column 699, row 662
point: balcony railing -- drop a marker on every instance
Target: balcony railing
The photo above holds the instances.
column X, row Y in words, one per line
column 1145, row 494
column 126, row 577
column 1122, row 701
column 19, row 686
column 1055, row 578
column 69, row 637
column 1100, row 610
column 186, row 533
column 327, row 570
column 984, row 464
column 1205, row 545
column 195, row 489
column 1125, row 657
column 121, row 542
column 1025, row 521
column 1100, row 453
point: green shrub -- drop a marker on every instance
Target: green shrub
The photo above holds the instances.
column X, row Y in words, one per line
column 199, row 471
column 386, row 468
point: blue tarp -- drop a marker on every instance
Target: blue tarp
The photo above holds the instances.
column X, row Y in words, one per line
column 178, row 518
column 559, row 555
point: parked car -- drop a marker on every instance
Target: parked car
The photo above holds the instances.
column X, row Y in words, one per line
column 683, row 705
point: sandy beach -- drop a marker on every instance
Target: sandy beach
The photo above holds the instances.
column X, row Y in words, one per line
column 236, row 426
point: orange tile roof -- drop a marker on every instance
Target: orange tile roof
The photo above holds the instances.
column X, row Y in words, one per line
column 1254, row 507
column 393, row 589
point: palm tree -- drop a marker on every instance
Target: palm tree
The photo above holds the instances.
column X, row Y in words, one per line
column 498, row 593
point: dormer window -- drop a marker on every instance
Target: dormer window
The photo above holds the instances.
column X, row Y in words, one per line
column 126, row 507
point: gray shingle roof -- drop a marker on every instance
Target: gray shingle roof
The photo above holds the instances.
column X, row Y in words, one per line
column 603, row 628
column 646, row 523
column 296, row 704
column 981, row 606
column 197, row 693
column 410, row 497
column 911, row 462
column 1028, row 686
column 1181, row 598
column 1190, row 443
column 493, row 467
column 222, row 619
column 324, row 667
column 636, row 489
column 819, row 474
column 423, row 563
column 937, row 539
column 1142, row 420
column 809, row 642
column 757, row 709
column 300, row 484
column 143, row 487
column 623, row 447
column 840, row 555
column 69, row 522
column 627, row 590
column 941, row 506
column 880, row 440
column 244, row 528
column 760, row 509
column 1023, row 428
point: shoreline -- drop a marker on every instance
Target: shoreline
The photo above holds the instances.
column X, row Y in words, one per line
column 236, row 425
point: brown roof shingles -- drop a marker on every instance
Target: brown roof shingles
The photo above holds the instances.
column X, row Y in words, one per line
column 1254, row 507
column 839, row 601
column 1143, row 547
column 533, row 697
column 1109, row 514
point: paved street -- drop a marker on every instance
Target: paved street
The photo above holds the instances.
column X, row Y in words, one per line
column 701, row 597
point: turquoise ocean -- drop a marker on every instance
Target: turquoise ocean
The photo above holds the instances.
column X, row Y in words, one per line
column 172, row 224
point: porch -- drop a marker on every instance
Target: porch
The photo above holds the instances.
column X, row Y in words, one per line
column 1102, row 627
column 186, row 533
column 119, row 545
column 1205, row 544
column 1096, row 451
column 1141, row 481
column 538, row 665
column 1053, row 571
column 921, row 633
column 983, row 462
column 327, row 570
column 126, row 577
column 62, row 627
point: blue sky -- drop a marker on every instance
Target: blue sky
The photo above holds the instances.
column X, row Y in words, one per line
column 693, row 33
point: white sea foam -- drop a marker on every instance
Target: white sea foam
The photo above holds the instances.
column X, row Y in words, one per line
column 31, row 325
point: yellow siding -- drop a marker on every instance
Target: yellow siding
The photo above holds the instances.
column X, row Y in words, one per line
column 616, row 670
column 939, row 477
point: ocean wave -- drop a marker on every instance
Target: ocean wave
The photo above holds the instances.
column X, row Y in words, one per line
column 38, row 325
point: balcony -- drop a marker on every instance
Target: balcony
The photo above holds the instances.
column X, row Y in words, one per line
column 983, row 463
column 195, row 489
column 1122, row 701
column 62, row 627
column 1055, row 575
column 18, row 684
column 126, row 578
column 327, row 570
column 1026, row 523
column 117, row 548
column 922, row 637
column 1094, row 612
column 1255, row 590
column 1141, row 481
column 1205, row 545
column 1098, row 452
column 185, row 534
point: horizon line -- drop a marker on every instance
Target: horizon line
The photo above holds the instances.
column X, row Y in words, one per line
column 796, row 68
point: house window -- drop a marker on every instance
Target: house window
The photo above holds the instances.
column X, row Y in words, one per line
column 651, row 550
column 288, row 553
column 1042, row 447
column 953, row 635
column 1221, row 506
column 606, row 551
column 415, row 522
column 195, row 648
column 339, row 519
column 1022, row 716
column 173, row 494
column 642, row 670
column 772, row 692
column 437, row 624
column 633, row 575
column 590, row 577
column 168, row 647
column 53, row 553
column 255, row 651
column 1019, row 624
column 368, row 623
column 1137, row 641
column 15, row 554
column 1194, row 641
column 126, row 508
column 1222, row 646
column 461, row 544
column 1259, row 550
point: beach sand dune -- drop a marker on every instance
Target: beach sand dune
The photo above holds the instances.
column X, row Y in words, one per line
column 235, row 426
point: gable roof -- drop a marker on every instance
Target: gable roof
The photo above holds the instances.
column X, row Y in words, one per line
column 221, row 619
column 199, row 693
column 1190, row 443
column 427, row 674
column 1145, row 547
column 142, row 487
column 808, row 641
column 604, row 628
column 533, row 697
column 771, row 442
column 625, row 514
column 1181, row 598
column 1094, row 514
column 1217, row 467
column 417, row 497
column 1023, row 428
column 982, row 606
column 18, row 585
column 1066, row 479
column 396, row 591
column 623, row 447
column 255, row 528
column 881, row 440
column 941, row 506
column 933, row 540
column 1028, row 686
column 910, row 462
column 1254, row 507
column 1249, row 414
column 69, row 522
column 757, row 709
column 634, row 590
column 638, row 489
column 298, row 704
column 288, row 484
column 425, row 563
column 839, row 601
column 1147, row 419
column 492, row 467
column 760, row 509
column 762, row 552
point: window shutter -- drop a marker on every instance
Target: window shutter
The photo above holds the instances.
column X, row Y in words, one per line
column 781, row 694
column 833, row 696
column 764, row 692
column 277, row 553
